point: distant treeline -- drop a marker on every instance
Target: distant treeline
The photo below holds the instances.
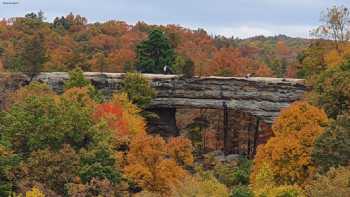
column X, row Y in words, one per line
column 30, row 43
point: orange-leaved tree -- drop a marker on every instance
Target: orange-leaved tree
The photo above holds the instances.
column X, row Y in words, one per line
column 263, row 71
column 153, row 166
column 122, row 118
column 288, row 153
column 180, row 148
column 228, row 62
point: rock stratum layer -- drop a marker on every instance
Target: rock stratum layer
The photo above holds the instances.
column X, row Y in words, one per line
column 261, row 97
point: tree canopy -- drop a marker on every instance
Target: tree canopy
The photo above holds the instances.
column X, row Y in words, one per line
column 155, row 53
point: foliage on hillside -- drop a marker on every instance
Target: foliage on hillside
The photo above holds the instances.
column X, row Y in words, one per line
column 309, row 153
column 31, row 44
column 81, row 144
column 71, row 145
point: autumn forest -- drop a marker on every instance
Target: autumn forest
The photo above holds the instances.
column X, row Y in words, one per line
column 83, row 143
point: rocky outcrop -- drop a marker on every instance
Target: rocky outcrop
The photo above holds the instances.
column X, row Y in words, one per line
column 261, row 97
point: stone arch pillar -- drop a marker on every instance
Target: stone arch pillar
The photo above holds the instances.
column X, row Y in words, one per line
column 165, row 123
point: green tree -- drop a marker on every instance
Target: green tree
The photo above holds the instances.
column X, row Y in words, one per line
column 31, row 56
column 76, row 79
column 99, row 162
column 36, row 16
column 57, row 137
column 332, row 90
column 332, row 147
column 155, row 53
column 61, row 23
column 138, row 89
column 30, row 24
column 41, row 122
column 312, row 59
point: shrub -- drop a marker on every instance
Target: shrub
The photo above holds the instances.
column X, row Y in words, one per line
column 335, row 183
column 242, row 173
column 242, row 191
column 76, row 79
column 332, row 147
column 199, row 186
column 233, row 175
column 138, row 89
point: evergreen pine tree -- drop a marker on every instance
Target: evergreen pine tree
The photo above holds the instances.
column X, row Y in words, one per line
column 154, row 53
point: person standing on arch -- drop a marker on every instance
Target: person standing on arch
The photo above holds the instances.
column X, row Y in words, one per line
column 167, row 70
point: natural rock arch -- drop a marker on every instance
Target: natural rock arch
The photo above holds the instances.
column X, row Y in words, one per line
column 261, row 97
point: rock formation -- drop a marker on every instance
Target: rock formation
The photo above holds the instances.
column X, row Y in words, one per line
column 261, row 97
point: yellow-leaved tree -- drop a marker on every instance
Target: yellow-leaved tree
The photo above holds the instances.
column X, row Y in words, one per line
column 35, row 192
column 288, row 153
column 156, row 167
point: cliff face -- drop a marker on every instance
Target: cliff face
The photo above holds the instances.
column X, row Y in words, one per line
column 261, row 97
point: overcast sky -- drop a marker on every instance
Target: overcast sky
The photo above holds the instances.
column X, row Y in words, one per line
column 238, row 18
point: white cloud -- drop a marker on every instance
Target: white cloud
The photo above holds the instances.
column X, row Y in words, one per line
column 239, row 18
column 242, row 31
column 245, row 31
